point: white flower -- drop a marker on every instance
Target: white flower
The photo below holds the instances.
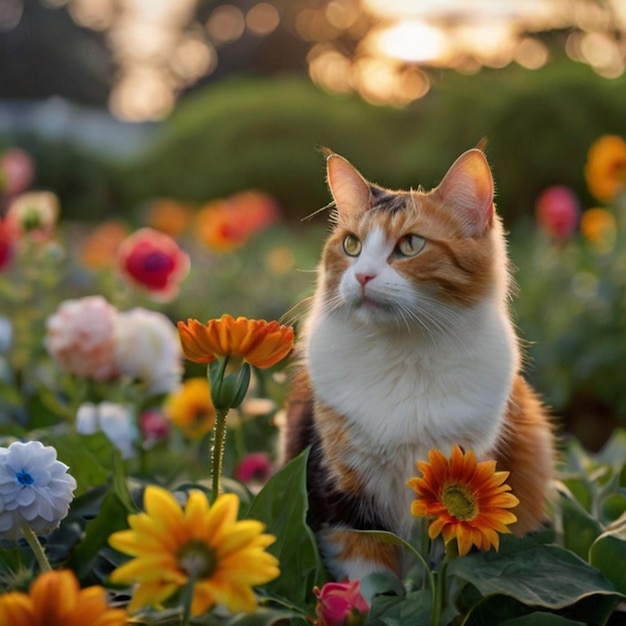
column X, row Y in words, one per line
column 80, row 337
column 116, row 421
column 147, row 348
column 35, row 488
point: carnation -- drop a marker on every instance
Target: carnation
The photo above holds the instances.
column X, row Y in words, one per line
column 81, row 337
column 116, row 421
column 35, row 489
column 148, row 349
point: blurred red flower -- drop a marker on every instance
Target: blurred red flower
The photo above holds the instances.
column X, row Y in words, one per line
column 7, row 244
column 340, row 603
column 254, row 467
column 17, row 171
column 154, row 261
column 557, row 211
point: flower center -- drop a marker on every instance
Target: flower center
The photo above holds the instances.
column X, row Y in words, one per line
column 24, row 478
column 460, row 502
column 197, row 559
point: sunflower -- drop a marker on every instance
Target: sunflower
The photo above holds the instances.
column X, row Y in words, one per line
column 202, row 544
column 56, row 599
column 258, row 342
column 605, row 170
column 467, row 498
column 191, row 408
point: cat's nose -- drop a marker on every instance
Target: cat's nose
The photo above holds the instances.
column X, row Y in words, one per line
column 364, row 278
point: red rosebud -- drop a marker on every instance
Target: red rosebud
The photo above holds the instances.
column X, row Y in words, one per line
column 154, row 261
column 340, row 603
column 557, row 211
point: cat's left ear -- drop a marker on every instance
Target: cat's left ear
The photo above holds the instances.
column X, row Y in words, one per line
column 350, row 190
column 468, row 187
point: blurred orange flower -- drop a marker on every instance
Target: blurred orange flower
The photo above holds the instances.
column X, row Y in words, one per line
column 56, row 598
column 605, row 170
column 169, row 216
column 258, row 342
column 226, row 224
column 191, row 408
column 99, row 248
column 467, row 498
column 599, row 227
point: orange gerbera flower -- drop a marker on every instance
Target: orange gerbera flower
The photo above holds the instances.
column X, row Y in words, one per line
column 258, row 342
column 56, row 599
column 605, row 170
column 468, row 499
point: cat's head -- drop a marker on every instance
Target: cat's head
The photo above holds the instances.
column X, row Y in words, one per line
column 405, row 257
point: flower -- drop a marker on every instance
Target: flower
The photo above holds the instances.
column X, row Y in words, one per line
column 154, row 261
column 56, row 599
column 169, row 216
column 34, row 213
column 206, row 544
column 116, row 421
column 35, row 488
column 80, row 337
column 154, row 426
column 599, row 227
column 254, row 467
column 6, row 334
column 7, row 244
column 339, row 603
column 147, row 348
column 557, row 211
column 17, row 170
column 258, row 342
column 191, row 408
column 605, row 169
column 226, row 224
column 468, row 499
column 99, row 248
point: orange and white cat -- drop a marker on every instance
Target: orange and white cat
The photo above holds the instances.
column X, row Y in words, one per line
column 409, row 346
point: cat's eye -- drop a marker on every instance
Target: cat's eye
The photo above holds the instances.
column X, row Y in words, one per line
column 351, row 245
column 410, row 245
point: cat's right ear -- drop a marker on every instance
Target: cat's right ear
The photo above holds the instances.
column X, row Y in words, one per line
column 350, row 190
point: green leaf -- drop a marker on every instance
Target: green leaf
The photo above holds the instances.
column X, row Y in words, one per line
column 282, row 505
column 580, row 530
column 267, row 617
column 539, row 618
column 393, row 610
column 534, row 574
column 608, row 554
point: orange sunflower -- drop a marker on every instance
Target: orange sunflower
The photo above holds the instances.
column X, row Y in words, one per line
column 605, row 170
column 56, row 599
column 206, row 544
column 468, row 499
column 191, row 408
column 258, row 342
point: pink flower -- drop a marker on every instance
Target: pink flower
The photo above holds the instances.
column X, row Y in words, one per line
column 81, row 337
column 7, row 244
column 339, row 603
column 154, row 426
column 557, row 211
column 254, row 467
column 34, row 214
column 154, row 261
column 17, row 170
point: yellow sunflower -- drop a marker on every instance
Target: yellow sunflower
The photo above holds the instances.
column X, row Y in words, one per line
column 191, row 408
column 605, row 170
column 56, row 599
column 468, row 499
column 205, row 544
column 258, row 342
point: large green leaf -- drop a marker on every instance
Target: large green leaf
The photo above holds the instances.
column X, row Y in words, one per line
column 539, row 618
column 532, row 573
column 608, row 554
column 282, row 505
column 394, row 610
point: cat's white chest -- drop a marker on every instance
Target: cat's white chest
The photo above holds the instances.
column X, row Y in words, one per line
column 403, row 395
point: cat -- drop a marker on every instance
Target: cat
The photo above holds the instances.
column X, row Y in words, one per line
column 408, row 346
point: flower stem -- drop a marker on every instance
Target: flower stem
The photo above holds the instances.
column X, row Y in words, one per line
column 219, row 441
column 187, row 600
column 36, row 547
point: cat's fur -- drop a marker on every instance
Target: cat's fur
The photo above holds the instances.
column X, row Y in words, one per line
column 401, row 354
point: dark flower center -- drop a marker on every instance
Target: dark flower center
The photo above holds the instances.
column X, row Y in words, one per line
column 24, row 478
column 197, row 559
column 460, row 502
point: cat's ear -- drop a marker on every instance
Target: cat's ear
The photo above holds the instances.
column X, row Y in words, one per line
column 350, row 190
column 468, row 187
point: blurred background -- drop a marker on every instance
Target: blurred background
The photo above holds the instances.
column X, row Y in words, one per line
column 157, row 112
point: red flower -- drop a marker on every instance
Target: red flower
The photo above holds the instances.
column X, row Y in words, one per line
column 7, row 244
column 339, row 604
column 154, row 261
column 254, row 467
column 557, row 211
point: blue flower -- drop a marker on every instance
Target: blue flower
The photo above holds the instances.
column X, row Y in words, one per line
column 35, row 489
